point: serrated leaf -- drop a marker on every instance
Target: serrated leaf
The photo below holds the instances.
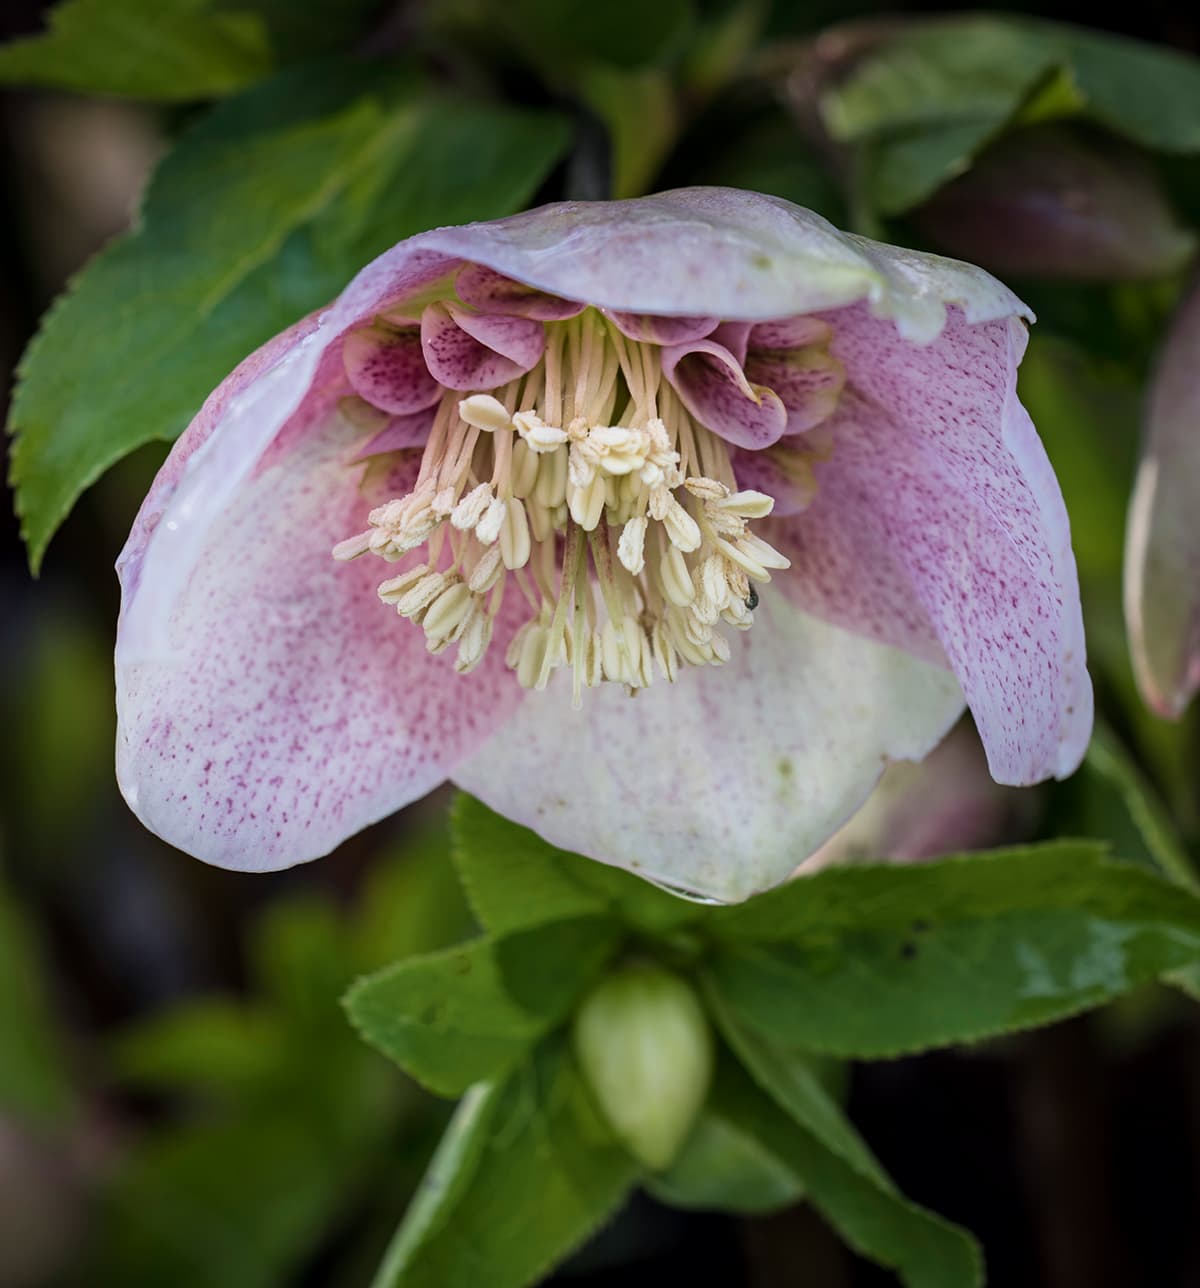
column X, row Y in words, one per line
column 514, row 879
column 258, row 216
column 445, row 1018
column 839, row 1175
column 529, row 1171
column 165, row 50
column 470, row 1014
column 876, row 961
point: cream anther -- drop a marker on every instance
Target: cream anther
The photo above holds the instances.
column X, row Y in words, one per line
column 536, row 434
column 612, row 511
column 485, row 412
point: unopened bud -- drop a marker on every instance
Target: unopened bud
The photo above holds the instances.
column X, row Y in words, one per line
column 1048, row 201
column 646, row 1049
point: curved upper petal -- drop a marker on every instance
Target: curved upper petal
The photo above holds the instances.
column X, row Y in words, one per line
column 466, row 350
column 795, row 363
column 1162, row 550
column 491, row 292
column 385, row 365
column 718, row 251
column 662, row 330
column 720, row 784
column 938, row 525
column 712, row 386
column 268, row 704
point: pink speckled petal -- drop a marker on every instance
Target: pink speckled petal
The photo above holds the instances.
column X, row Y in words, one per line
column 735, row 337
column 719, row 252
column 1162, row 551
column 939, row 526
column 763, row 472
column 269, row 705
column 467, row 350
column 490, row 292
column 385, row 366
column 807, row 382
column 398, row 435
column 720, row 784
column 712, row 386
column 662, row 330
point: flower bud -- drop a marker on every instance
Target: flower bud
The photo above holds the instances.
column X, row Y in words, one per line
column 1162, row 537
column 646, row 1050
column 1054, row 202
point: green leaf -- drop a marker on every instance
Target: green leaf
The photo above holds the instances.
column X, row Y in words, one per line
column 411, row 903
column 514, row 879
column 724, row 1168
column 1119, row 776
column 168, row 50
column 1111, row 797
column 876, row 961
column 527, row 1172
column 261, row 214
column 807, row 1132
column 642, row 115
column 927, row 100
column 445, row 1018
column 313, row 28
column 622, row 33
column 33, row 1075
column 470, row 1014
column 958, row 70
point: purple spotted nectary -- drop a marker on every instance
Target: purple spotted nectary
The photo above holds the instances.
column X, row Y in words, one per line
column 660, row 525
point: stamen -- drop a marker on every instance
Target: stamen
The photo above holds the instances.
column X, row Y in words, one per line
column 588, row 482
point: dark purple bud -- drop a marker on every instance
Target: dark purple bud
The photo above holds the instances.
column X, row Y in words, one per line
column 1049, row 201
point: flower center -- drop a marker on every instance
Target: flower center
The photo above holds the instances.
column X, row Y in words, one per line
column 586, row 487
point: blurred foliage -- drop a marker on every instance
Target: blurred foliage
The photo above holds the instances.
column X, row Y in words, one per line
column 291, row 1124
column 926, row 101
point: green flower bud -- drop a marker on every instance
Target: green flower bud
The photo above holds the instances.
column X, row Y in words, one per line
column 646, row 1050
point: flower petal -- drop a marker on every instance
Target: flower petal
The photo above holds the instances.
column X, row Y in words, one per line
column 938, row 526
column 712, row 386
column 466, row 350
column 385, row 365
column 807, row 378
column 787, row 476
column 719, row 784
column 662, row 330
column 399, row 434
column 269, row 705
column 1162, row 551
column 719, row 251
column 490, row 292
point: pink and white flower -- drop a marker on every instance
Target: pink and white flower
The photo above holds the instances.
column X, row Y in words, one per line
column 660, row 525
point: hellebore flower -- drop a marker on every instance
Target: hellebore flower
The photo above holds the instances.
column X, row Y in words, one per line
column 552, row 445
column 1162, row 539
